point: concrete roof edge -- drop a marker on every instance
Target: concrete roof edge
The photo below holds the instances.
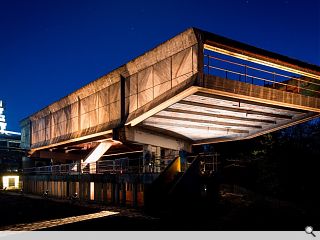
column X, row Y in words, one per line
column 207, row 37
column 46, row 109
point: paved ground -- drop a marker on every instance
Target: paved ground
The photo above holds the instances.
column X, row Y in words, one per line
column 231, row 213
column 29, row 212
column 17, row 209
column 56, row 222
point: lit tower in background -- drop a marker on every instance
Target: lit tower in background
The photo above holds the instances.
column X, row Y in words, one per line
column 10, row 154
column 3, row 123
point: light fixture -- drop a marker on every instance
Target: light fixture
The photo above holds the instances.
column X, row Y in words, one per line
column 10, row 182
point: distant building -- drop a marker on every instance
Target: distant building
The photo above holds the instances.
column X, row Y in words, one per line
column 10, row 154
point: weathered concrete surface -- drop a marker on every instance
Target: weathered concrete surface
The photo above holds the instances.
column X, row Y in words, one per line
column 95, row 108
column 166, row 76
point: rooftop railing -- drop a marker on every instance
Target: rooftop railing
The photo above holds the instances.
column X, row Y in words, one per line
column 247, row 72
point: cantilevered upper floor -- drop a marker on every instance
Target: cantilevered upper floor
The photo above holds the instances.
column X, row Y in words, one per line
column 195, row 88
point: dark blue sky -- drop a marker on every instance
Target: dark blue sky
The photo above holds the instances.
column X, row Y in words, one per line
column 50, row 48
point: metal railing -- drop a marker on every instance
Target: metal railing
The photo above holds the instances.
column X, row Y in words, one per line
column 262, row 77
column 116, row 166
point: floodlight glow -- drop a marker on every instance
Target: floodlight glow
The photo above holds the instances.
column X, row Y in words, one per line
column 98, row 152
column 7, row 182
column 92, row 191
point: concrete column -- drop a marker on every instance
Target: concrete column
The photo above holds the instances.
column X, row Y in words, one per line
column 147, row 157
column 157, row 159
column 105, row 192
column 67, row 188
column 116, row 193
column 93, row 167
column 80, row 166
column 123, row 192
column 134, row 194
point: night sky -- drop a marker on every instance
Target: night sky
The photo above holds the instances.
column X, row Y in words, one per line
column 48, row 49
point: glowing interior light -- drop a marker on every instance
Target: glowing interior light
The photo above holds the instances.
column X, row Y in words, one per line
column 91, row 190
column 10, row 182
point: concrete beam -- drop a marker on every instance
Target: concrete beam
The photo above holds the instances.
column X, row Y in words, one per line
column 242, row 101
column 239, row 110
column 96, row 154
column 161, row 106
column 186, row 126
column 220, row 116
column 301, row 119
column 87, row 138
column 144, row 136
column 197, row 120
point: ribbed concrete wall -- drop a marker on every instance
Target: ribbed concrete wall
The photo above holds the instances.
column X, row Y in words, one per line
column 96, row 107
column 146, row 82
column 116, row 190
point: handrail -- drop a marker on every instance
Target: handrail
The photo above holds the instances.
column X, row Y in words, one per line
column 262, row 79
column 121, row 165
column 259, row 69
column 273, row 82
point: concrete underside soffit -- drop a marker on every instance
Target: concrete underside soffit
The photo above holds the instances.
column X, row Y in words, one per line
column 207, row 118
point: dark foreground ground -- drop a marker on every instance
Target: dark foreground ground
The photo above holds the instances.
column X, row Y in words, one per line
column 230, row 213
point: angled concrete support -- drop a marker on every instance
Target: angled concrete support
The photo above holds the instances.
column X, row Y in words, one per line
column 95, row 155
column 146, row 136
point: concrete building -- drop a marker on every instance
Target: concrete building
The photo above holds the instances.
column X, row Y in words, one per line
column 113, row 138
column 10, row 155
